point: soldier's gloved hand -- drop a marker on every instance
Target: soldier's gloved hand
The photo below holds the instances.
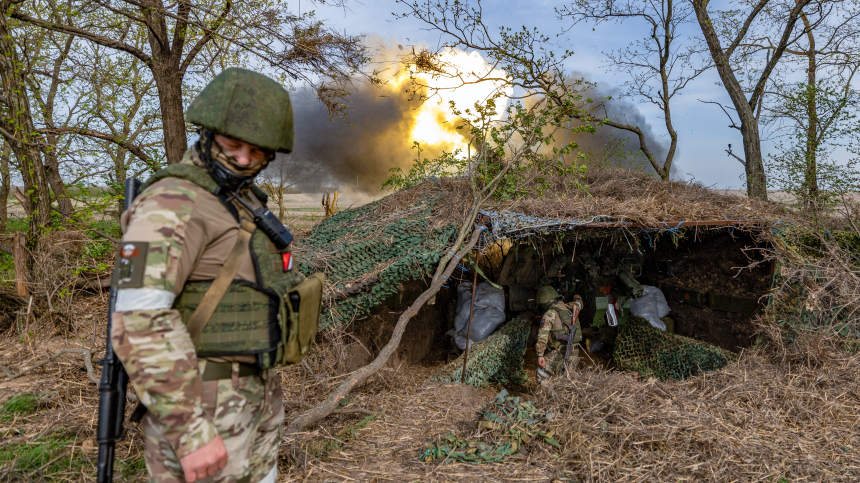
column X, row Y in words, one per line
column 207, row 460
column 542, row 362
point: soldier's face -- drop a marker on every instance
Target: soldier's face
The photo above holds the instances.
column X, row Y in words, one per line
column 244, row 153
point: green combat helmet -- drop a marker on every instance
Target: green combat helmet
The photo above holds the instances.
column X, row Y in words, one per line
column 546, row 295
column 247, row 106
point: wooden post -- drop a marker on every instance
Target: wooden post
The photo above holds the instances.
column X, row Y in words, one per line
column 471, row 313
column 20, row 258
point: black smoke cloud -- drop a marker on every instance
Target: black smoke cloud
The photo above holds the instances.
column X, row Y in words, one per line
column 609, row 146
column 357, row 153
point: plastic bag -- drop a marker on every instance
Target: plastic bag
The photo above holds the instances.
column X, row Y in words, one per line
column 651, row 306
column 489, row 312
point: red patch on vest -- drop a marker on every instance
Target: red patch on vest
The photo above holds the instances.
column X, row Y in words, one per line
column 288, row 261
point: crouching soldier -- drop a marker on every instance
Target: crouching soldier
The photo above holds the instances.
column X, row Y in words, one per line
column 552, row 340
column 199, row 322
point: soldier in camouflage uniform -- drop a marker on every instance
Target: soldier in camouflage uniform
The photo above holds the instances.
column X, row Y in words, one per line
column 555, row 330
column 214, row 418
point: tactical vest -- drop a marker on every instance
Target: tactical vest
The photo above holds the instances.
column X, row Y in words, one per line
column 566, row 319
column 264, row 319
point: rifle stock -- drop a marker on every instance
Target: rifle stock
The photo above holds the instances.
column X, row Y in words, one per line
column 113, row 383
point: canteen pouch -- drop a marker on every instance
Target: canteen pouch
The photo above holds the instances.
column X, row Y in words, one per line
column 303, row 303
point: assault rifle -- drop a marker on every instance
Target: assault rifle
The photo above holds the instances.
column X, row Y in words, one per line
column 574, row 319
column 114, row 381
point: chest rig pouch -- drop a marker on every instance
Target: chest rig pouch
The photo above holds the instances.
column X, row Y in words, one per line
column 275, row 319
column 566, row 319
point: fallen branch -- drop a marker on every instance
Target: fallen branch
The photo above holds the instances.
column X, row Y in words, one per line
column 336, row 411
column 320, row 411
column 88, row 362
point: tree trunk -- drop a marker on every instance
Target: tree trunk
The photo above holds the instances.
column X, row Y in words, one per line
column 20, row 133
column 810, row 172
column 52, row 173
column 754, row 166
column 165, row 65
column 5, row 185
column 172, row 114
column 756, row 181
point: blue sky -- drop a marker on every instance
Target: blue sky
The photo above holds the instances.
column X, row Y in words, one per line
column 702, row 128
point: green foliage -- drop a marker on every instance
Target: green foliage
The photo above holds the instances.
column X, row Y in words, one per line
column 20, row 404
column 446, row 165
column 803, row 165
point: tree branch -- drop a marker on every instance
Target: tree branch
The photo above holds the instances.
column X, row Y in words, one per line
column 70, row 30
column 732, row 121
column 136, row 150
column 326, row 407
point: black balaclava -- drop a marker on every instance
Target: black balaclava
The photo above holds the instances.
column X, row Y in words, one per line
column 229, row 179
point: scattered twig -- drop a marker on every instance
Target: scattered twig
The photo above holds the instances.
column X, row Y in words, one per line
column 336, row 411
column 88, row 362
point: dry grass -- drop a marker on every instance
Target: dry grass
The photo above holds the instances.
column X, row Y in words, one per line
column 752, row 421
column 762, row 417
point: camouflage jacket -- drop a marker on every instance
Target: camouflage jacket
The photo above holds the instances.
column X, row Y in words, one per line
column 189, row 234
column 550, row 324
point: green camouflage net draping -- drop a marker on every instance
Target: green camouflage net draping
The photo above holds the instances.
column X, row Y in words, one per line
column 655, row 353
column 367, row 252
column 506, row 424
column 497, row 359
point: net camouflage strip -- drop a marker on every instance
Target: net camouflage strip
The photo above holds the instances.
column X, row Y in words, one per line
column 506, row 424
column 366, row 253
column 655, row 353
column 497, row 359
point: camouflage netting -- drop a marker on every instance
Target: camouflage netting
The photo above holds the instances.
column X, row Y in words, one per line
column 367, row 252
column 507, row 424
column 655, row 353
column 497, row 359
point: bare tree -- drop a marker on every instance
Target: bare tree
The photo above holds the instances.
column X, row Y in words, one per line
column 658, row 66
column 285, row 173
column 178, row 33
column 783, row 17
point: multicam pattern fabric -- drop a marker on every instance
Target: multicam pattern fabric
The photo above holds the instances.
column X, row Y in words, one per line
column 159, row 357
column 154, row 345
column 249, row 416
column 166, row 208
column 550, row 324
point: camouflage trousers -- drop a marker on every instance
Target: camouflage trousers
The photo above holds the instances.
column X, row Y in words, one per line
column 249, row 415
column 555, row 358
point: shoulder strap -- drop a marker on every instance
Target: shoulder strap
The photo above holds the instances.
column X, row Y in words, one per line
column 216, row 291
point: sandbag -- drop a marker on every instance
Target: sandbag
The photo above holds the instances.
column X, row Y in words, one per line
column 651, row 306
column 489, row 312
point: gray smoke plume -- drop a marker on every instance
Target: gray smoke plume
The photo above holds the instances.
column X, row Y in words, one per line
column 612, row 147
column 356, row 154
